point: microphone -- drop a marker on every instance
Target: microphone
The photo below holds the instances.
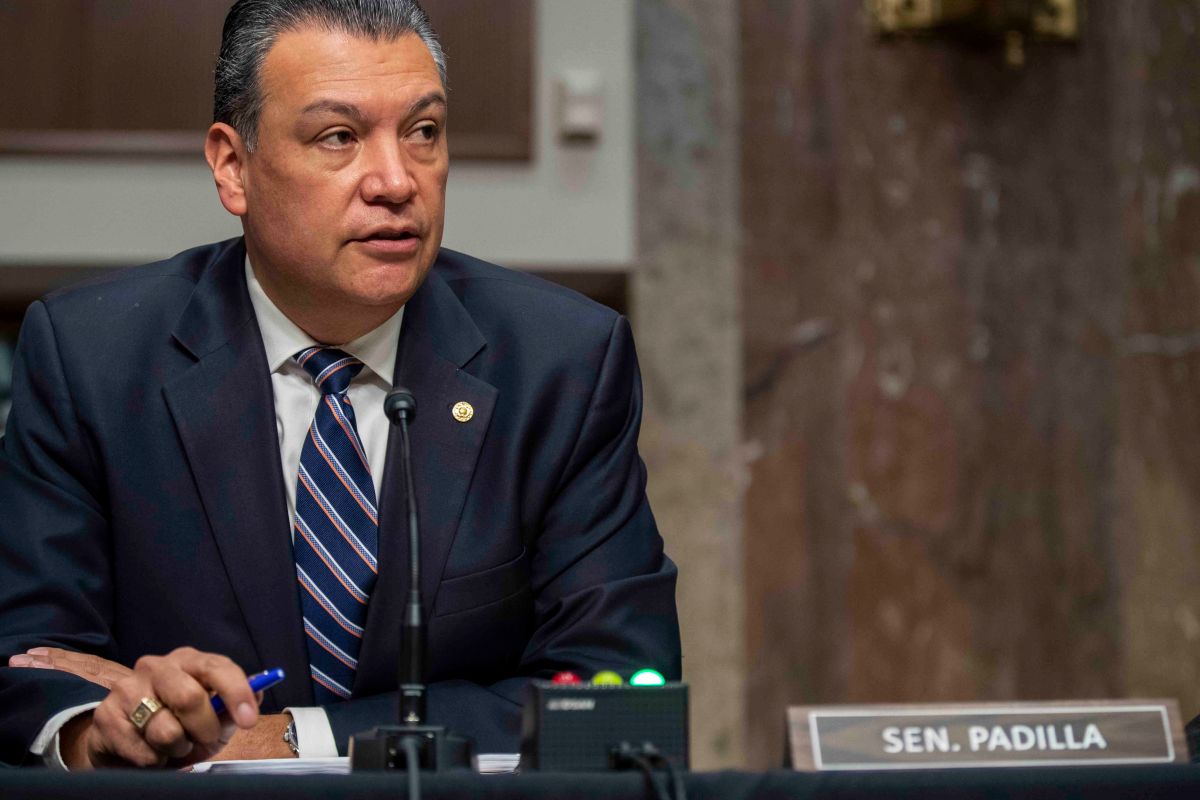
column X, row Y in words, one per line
column 400, row 407
column 420, row 746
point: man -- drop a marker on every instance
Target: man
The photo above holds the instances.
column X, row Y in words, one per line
column 198, row 480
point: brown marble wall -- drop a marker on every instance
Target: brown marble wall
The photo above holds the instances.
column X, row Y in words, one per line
column 684, row 298
column 1157, row 125
column 971, row 357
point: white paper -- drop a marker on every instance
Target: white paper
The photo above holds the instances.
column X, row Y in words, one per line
column 497, row 763
column 485, row 764
column 277, row 766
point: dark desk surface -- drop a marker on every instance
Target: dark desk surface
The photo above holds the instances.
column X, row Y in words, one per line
column 1174, row 781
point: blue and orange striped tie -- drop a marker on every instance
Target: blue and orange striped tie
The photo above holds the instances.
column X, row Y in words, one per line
column 336, row 528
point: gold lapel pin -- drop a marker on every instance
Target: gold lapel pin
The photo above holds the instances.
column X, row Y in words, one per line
column 462, row 411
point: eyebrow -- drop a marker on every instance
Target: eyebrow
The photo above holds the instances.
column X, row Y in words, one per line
column 334, row 107
column 433, row 98
column 355, row 113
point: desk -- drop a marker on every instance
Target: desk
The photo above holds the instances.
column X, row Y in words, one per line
column 1173, row 781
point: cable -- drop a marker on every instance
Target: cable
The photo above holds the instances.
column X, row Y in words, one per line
column 624, row 756
column 651, row 778
column 412, row 760
column 656, row 757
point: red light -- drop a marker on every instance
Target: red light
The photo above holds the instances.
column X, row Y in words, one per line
column 566, row 678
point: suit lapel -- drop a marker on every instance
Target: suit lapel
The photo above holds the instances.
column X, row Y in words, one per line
column 223, row 409
column 438, row 338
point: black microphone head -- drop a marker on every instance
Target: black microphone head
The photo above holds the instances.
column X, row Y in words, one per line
column 400, row 404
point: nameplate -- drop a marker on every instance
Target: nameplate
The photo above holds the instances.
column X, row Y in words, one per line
column 985, row 735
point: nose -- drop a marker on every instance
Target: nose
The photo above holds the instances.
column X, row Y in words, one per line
column 387, row 178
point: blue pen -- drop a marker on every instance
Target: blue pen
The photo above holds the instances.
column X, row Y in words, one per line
column 259, row 682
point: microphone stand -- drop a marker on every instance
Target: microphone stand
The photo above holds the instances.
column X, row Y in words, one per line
column 385, row 747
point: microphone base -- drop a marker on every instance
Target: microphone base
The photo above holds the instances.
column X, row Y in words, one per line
column 380, row 749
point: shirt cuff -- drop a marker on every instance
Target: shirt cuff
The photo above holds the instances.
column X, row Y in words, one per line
column 314, row 735
column 46, row 744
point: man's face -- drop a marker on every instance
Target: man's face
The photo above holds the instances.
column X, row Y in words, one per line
column 345, row 190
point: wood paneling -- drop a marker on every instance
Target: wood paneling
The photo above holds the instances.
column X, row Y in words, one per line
column 971, row 335
column 42, row 63
column 489, row 53
column 107, row 75
column 24, row 284
column 135, row 76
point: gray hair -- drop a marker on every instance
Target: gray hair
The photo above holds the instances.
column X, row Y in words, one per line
column 252, row 26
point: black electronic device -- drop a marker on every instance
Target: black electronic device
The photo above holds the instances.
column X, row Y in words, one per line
column 1191, row 732
column 437, row 750
column 578, row 727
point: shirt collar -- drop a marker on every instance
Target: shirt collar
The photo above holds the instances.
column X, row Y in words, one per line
column 283, row 338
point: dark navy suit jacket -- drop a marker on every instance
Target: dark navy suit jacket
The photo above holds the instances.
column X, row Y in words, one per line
column 142, row 505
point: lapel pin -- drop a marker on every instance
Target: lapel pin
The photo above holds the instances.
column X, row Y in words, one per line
column 462, row 411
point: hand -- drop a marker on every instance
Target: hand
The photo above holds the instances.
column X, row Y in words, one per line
column 185, row 731
column 89, row 667
column 264, row 740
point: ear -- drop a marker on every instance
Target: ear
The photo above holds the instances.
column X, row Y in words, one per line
column 226, row 155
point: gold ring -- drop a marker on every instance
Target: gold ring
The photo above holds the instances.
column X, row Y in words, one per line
column 147, row 708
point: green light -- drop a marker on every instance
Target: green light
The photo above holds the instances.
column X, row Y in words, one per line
column 607, row 678
column 647, row 677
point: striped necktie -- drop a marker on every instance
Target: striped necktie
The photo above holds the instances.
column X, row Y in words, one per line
column 336, row 528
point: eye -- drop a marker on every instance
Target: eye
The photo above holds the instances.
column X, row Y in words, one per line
column 337, row 139
column 427, row 132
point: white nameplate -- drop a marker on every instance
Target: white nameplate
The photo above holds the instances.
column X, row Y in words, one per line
column 985, row 735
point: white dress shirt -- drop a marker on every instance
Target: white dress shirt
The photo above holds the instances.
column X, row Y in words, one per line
column 296, row 400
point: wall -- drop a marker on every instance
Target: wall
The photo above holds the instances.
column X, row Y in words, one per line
column 1156, row 137
column 687, row 316
column 572, row 207
column 970, row 349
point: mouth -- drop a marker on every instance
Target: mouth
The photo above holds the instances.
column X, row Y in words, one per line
column 391, row 240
